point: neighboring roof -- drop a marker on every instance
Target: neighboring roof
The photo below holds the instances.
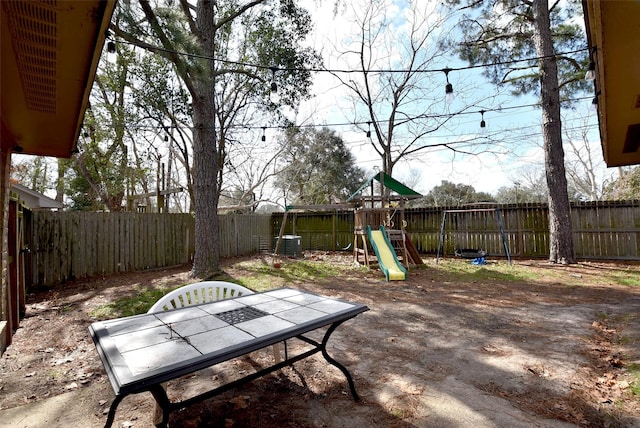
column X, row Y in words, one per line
column 49, row 56
column 34, row 200
column 613, row 33
column 390, row 183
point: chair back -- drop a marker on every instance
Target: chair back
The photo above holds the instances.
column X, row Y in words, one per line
column 197, row 293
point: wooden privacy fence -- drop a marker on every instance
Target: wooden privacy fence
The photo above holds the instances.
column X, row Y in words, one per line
column 243, row 234
column 323, row 231
column 68, row 245
column 601, row 230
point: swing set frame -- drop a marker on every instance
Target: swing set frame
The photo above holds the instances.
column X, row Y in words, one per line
column 472, row 253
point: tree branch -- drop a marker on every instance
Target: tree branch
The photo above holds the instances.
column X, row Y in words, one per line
column 225, row 20
column 187, row 8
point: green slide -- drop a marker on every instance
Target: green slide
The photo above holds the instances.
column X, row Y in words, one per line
column 389, row 264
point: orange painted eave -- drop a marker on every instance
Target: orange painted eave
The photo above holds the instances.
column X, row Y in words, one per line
column 80, row 29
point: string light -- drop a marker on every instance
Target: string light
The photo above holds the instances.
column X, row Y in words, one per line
column 448, row 89
column 369, row 130
column 264, row 137
column 274, row 96
column 483, row 124
column 348, row 71
column 409, row 119
column 591, row 70
column 111, row 47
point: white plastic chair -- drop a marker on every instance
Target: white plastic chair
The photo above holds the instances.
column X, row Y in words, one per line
column 205, row 292
column 196, row 293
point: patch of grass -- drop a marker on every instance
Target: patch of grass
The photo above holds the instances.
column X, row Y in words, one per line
column 312, row 270
column 628, row 279
column 256, row 275
column 55, row 374
column 619, row 275
column 623, row 340
column 502, row 271
column 565, row 275
column 65, row 308
column 260, row 275
column 634, row 372
column 400, row 413
column 131, row 305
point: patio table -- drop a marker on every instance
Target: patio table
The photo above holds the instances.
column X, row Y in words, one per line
column 141, row 352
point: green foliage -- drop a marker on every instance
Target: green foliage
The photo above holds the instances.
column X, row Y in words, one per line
column 453, row 195
column 100, row 171
column 272, row 36
column 501, row 31
column 82, row 196
column 321, row 169
column 525, row 193
column 627, row 186
column 31, row 172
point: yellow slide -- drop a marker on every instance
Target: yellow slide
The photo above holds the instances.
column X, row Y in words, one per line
column 387, row 260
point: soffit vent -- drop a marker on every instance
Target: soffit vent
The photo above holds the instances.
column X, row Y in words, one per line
column 33, row 27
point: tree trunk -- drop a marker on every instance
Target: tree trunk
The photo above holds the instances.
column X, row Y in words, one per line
column 205, row 156
column 560, row 229
column 62, row 170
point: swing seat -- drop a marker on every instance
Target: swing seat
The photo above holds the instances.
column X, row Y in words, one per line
column 469, row 253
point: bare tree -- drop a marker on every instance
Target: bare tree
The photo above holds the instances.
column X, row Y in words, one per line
column 583, row 164
column 393, row 89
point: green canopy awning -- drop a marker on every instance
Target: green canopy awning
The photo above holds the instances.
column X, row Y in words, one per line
column 388, row 182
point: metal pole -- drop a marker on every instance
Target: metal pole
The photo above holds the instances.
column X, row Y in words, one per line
column 504, row 238
column 441, row 240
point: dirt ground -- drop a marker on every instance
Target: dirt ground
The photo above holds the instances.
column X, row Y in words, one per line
column 434, row 350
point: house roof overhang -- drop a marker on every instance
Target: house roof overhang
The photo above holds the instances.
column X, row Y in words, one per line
column 613, row 32
column 34, row 200
column 49, row 55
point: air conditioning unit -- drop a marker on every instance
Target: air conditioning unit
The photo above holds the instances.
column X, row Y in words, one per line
column 291, row 245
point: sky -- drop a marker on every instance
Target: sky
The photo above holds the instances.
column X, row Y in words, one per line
column 515, row 131
column 513, row 140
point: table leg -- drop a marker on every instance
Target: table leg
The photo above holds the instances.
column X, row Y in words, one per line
column 162, row 401
column 112, row 411
column 342, row 368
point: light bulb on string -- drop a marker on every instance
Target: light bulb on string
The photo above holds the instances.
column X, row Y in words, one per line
column 483, row 124
column 448, row 89
column 369, row 130
column 264, row 137
column 274, row 96
column 111, row 52
column 591, row 71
